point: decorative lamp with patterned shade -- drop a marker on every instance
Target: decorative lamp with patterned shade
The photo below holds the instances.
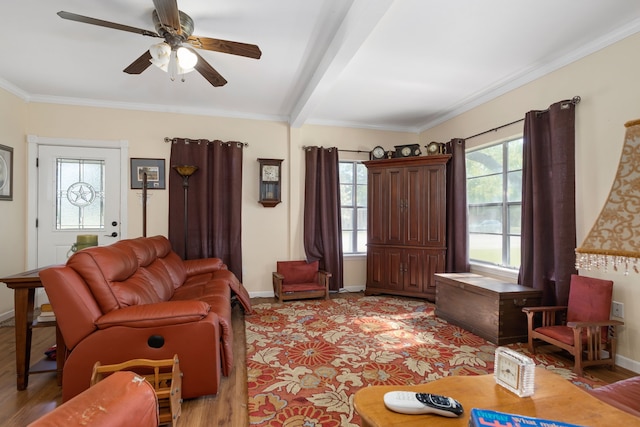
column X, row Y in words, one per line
column 614, row 240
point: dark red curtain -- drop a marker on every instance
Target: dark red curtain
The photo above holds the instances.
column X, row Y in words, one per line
column 214, row 201
column 548, row 236
column 457, row 260
column 322, row 219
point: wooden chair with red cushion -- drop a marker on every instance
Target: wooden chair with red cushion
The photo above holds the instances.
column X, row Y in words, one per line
column 583, row 327
column 300, row 280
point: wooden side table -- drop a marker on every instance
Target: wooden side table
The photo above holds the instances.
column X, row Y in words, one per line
column 554, row 399
column 24, row 287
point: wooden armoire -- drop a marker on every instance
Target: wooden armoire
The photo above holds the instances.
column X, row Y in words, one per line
column 406, row 225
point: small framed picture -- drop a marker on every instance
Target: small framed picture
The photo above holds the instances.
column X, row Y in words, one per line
column 154, row 168
column 6, row 172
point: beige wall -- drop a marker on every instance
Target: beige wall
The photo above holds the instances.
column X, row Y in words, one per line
column 607, row 82
column 269, row 234
column 13, row 120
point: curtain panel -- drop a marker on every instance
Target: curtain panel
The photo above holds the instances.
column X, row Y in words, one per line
column 548, row 235
column 322, row 217
column 457, row 260
column 214, row 201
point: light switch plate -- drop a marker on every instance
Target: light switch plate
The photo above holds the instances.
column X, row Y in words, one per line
column 617, row 309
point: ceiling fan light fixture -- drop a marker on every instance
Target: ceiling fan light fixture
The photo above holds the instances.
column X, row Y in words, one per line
column 176, row 62
column 160, row 55
column 187, row 60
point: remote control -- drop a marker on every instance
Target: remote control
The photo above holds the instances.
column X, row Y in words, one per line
column 408, row 402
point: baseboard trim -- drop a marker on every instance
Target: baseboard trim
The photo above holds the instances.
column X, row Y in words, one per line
column 270, row 294
column 630, row 364
column 6, row 316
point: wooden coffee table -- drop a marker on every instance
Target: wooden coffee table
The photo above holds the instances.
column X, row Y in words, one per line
column 555, row 398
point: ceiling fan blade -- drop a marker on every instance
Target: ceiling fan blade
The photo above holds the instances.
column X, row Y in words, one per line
column 208, row 72
column 225, row 46
column 93, row 21
column 169, row 15
column 140, row 64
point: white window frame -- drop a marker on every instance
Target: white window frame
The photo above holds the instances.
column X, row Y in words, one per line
column 488, row 268
column 355, row 205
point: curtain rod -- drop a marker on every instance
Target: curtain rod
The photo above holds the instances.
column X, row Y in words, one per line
column 304, row 147
column 187, row 140
column 575, row 100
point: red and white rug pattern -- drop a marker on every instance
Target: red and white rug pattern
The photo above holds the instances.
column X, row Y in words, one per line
column 307, row 359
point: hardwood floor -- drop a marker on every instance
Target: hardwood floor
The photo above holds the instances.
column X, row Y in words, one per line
column 228, row 408
column 18, row 408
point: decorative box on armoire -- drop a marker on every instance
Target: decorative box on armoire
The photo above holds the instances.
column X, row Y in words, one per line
column 406, row 234
column 487, row 307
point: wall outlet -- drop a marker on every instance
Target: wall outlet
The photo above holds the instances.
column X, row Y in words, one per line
column 617, row 309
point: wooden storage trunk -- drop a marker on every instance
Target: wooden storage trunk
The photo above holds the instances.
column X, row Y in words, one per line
column 487, row 307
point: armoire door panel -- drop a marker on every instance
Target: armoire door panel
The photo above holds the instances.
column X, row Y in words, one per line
column 414, row 212
column 375, row 266
column 395, row 206
column 435, row 222
column 394, row 265
column 413, row 270
column 434, row 261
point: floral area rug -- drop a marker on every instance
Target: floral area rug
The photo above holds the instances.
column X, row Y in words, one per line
column 306, row 359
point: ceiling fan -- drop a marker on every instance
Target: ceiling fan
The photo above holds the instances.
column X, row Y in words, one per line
column 176, row 54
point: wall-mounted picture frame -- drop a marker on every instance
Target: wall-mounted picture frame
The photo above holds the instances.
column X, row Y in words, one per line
column 6, row 172
column 155, row 173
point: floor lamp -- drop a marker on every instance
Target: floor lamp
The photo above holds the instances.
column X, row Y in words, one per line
column 185, row 171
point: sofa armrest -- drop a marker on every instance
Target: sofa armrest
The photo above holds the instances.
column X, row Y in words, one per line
column 123, row 398
column 154, row 315
column 203, row 265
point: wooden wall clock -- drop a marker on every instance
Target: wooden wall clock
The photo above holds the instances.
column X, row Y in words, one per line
column 270, row 182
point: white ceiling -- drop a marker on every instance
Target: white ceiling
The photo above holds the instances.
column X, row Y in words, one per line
column 398, row 65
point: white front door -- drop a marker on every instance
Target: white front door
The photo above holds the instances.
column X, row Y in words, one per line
column 79, row 193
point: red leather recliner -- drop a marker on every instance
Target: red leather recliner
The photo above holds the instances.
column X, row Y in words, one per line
column 137, row 299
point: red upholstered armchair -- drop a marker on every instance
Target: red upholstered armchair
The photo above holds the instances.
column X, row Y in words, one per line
column 299, row 280
column 583, row 327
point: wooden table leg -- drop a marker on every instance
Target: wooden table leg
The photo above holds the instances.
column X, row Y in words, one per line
column 61, row 354
column 23, row 299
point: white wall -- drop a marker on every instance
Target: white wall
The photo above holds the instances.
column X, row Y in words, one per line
column 607, row 82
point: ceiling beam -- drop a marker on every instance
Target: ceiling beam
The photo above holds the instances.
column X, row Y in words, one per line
column 359, row 22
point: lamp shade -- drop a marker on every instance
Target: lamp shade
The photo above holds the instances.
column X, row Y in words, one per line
column 614, row 240
column 160, row 55
column 186, row 59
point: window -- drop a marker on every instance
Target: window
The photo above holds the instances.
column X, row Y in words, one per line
column 353, row 203
column 79, row 194
column 494, row 197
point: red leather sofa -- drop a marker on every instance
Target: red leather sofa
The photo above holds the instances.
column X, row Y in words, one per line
column 137, row 299
column 122, row 399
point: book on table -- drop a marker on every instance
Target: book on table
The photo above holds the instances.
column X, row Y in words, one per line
column 46, row 314
column 486, row 418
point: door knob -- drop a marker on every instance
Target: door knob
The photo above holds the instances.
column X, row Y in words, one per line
column 114, row 223
column 114, row 234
